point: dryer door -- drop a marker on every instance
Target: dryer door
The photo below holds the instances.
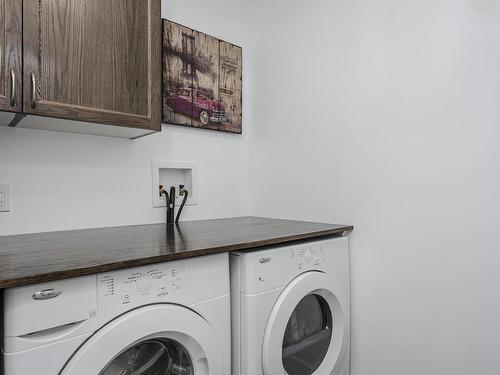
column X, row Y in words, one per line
column 152, row 340
column 307, row 329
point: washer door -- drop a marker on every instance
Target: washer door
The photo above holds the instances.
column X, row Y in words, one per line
column 152, row 340
column 305, row 333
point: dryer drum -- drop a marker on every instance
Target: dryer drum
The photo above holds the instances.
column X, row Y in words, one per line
column 152, row 357
column 307, row 336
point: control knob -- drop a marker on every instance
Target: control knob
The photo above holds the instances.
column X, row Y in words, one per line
column 144, row 284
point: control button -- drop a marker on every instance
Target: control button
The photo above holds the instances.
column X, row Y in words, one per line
column 299, row 265
column 144, row 284
column 317, row 261
column 163, row 289
column 126, row 297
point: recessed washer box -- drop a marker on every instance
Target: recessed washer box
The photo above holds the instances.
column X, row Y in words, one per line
column 173, row 173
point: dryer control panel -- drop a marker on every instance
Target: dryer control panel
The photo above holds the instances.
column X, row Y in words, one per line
column 275, row 267
column 308, row 255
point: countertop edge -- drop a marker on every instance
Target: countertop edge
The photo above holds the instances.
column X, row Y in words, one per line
column 107, row 267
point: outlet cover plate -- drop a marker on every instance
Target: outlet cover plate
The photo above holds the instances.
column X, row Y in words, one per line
column 4, row 198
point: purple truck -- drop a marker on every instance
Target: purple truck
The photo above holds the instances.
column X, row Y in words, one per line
column 200, row 107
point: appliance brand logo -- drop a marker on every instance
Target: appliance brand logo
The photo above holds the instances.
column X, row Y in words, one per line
column 47, row 294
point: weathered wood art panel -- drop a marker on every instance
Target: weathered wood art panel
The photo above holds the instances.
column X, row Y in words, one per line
column 206, row 81
column 230, row 92
column 178, row 49
column 202, row 80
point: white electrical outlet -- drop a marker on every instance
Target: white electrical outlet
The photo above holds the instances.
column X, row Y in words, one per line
column 4, row 198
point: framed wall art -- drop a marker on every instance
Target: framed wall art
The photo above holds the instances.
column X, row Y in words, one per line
column 202, row 80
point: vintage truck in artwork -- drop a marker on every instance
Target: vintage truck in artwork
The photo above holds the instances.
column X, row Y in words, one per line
column 198, row 106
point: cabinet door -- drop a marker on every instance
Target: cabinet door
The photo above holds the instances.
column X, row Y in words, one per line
column 11, row 95
column 94, row 60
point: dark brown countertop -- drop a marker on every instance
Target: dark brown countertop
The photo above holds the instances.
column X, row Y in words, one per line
column 32, row 258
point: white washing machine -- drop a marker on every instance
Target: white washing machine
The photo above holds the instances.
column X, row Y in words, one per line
column 290, row 309
column 169, row 318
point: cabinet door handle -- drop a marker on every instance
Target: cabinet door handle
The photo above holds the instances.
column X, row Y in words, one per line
column 33, row 90
column 12, row 88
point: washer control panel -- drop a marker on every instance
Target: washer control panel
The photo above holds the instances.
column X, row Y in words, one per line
column 132, row 285
column 184, row 282
column 308, row 256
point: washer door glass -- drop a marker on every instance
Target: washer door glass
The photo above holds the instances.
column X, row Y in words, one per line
column 152, row 357
column 307, row 336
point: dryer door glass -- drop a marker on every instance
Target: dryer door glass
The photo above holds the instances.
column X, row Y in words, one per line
column 307, row 336
column 152, row 357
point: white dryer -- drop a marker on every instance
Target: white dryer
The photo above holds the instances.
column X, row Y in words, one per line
column 169, row 318
column 290, row 309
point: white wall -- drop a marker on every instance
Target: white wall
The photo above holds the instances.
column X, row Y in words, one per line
column 64, row 181
column 380, row 114
column 386, row 115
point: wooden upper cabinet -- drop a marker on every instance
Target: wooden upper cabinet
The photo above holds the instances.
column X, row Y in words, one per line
column 94, row 60
column 11, row 28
